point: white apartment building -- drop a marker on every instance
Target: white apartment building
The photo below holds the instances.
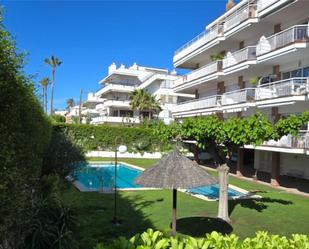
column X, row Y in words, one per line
column 119, row 84
column 254, row 57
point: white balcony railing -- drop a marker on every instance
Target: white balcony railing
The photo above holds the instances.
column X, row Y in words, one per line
column 203, row 71
column 200, row 40
column 295, row 34
column 299, row 142
column 238, row 96
column 240, row 15
column 264, row 4
column 197, row 104
column 288, row 87
column 111, row 119
column 245, row 54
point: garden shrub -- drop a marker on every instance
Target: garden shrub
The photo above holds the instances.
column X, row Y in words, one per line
column 32, row 214
column 157, row 240
column 61, row 156
column 58, row 118
column 102, row 137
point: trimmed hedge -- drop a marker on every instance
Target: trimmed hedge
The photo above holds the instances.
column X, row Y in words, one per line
column 90, row 137
column 157, row 240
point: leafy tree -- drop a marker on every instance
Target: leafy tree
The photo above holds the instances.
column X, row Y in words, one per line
column 58, row 118
column 142, row 100
column 53, row 62
column 221, row 138
column 153, row 105
column 44, row 83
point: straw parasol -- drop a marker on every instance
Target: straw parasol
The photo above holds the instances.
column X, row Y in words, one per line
column 175, row 171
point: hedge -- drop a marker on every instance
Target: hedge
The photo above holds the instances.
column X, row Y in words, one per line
column 102, row 137
column 156, row 240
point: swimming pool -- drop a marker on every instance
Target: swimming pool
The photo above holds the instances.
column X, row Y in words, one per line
column 101, row 177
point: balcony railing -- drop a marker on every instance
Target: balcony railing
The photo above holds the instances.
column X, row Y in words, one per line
column 264, row 4
column 245, row 54
column 200, row 40
column 238, row 96
column 203, row 71
column 112, row 119
column 299, row 142
column 202, row 103
column 288, row 87
column 240, row 15
column 295, row 34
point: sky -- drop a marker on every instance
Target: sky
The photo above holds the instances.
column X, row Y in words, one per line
column 87, row 36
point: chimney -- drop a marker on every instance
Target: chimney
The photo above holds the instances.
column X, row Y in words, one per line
column 230, row 4
column 111, row 68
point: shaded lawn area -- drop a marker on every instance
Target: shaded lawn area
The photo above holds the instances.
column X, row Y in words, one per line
column 278, row 212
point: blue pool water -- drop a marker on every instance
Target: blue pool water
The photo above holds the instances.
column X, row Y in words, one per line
column 100, row 176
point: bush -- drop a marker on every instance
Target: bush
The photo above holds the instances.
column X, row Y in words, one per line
column 58, row 118
column 62, row 156
column 89, row 137
column 157, row 240
column 24, row 136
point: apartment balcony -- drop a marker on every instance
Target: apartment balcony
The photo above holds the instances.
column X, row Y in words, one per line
column 288, row 90
column 117, row 103
column 240, row 18
column 198, row 106
column 125, row 88
column 111, row 119
column 238, row 100
column 203, row 41
column 239, row 60
column 208, row 72
column 266, row 7
column 289, row 144
column 284, row 42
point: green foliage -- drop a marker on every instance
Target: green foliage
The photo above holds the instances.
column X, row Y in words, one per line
column 90, row 137
column 24, row 136
column 167, row 133
column 58, row 118
column 62, row 155
column 290, row 125
column 156, row 240
column 254, row 80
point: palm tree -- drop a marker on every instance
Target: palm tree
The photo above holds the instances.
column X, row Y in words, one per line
column 139, row 100
column 44, row 83
column 53, row 62
column 153, row 105
column 70, row 103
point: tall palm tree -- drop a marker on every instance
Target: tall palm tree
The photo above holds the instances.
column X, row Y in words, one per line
column 53, row 62
column 44, row 83
column 153, row 105
column 139, row 100
column 70, row 103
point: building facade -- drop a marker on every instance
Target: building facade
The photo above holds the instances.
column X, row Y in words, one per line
column 119, row 84
column 254, row 57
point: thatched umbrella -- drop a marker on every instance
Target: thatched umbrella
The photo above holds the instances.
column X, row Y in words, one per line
column 175, row 171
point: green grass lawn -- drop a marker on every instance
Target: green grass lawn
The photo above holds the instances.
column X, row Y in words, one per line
column 278, row 212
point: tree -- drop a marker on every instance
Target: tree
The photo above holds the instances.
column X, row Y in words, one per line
column 44, row 83
column 53, row 62
column 70, row 103
column 153, row 105
column 139, row 100
column 220, row 138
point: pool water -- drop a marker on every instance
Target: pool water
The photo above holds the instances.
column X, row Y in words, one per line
column 102, row 177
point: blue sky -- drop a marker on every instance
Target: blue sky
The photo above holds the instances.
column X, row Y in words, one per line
column 89, row 35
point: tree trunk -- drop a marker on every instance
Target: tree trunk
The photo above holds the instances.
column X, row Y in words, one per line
column 142, row 117
column 80, row 106
column 149, row 115
column 174, row 218
column 223, row 210
column 195, row 153
column 52, row 92
column 45, row 102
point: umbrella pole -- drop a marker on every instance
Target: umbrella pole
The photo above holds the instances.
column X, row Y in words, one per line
column 174, row 212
